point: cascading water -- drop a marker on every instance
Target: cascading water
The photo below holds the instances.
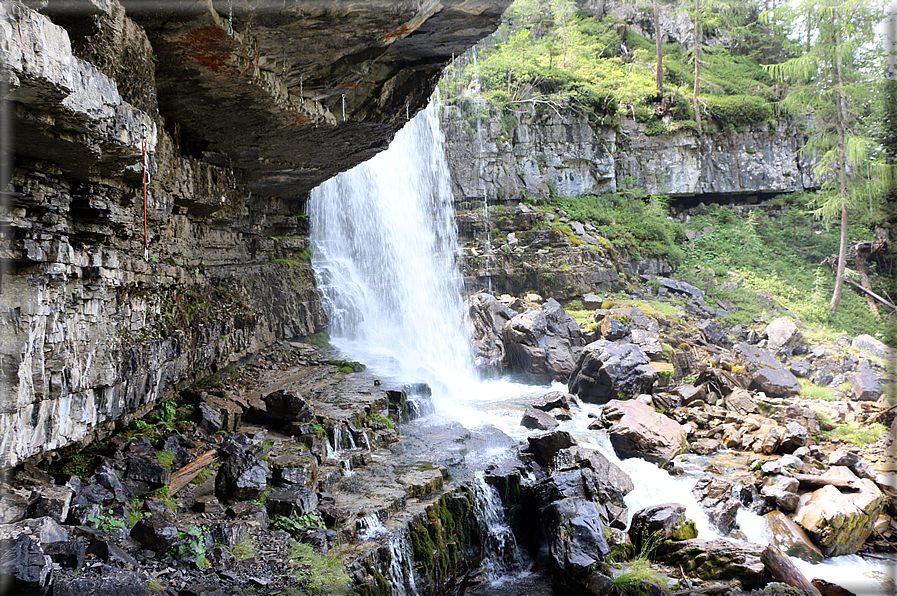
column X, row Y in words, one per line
column 384, row 245
column 502, row 553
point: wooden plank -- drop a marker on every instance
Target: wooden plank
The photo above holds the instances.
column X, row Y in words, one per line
column 182, row 477
column 811, row 480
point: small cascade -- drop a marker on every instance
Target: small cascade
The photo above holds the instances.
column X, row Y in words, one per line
column 401, row 568
column 339, row 439
column 371, row 527
column 503, row 556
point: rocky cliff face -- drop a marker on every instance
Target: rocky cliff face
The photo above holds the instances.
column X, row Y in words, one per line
column 546, row 151
column 232, row 112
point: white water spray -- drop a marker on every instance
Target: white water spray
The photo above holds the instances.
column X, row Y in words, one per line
column 384, row 244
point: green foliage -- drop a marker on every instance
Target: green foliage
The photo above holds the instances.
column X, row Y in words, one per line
column 811, row 391
column 548, row 53
column 243, row 550
column 166, row 458
column 192, row 546
column 321, row 339
column 381, row 419
column 316, row 574
column 777, row 257
column 856, row 433
column 633, row 224
column 107, row 522
column 295, row 524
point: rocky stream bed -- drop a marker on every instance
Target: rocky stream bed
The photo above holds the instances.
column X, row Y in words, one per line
column 296, row 472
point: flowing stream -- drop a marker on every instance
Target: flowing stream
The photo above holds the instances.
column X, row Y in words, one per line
column 384, row 246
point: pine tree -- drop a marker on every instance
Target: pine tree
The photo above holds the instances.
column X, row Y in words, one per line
column 831, row 83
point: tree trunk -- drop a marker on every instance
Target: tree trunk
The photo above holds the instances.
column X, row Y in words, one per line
column 599, row 11
column 783, row 570
column 659, row 50
column 697, row 105
column 842, row 166
column 864, row 279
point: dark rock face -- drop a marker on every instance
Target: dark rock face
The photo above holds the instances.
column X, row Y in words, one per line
column 766, row 372
column 287, row 407
column 241, row 477
column 545, row 447
column 237, row 124
column 576, row 534
column 604, row 370
column 488, row 317
column 543, row 343
column 717, row 498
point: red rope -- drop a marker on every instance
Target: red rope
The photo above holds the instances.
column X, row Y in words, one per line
column 145, row 239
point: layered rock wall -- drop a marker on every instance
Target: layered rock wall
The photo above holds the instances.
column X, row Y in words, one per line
column 236, row 118
column 544, row 151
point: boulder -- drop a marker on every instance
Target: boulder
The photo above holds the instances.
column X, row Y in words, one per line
column 241, row 477
column 576, row 537
column 216, row 413
column 488, row 317
column 155, row 533
column 587, row 473
column 554, row 400
column 543, row 343
column 636, row 430
column 69, row 554
column 839, row 522
column 800, row 368
column 25, row 562
column 740, row 401
column 54, row 502
column 680, row 287
column 716, row 559
column 638, row 320
column 790, row 538
column 704, row 446
column 843, row 457
column 545, row 447
column 713, row 332
column 606, row 370
column 869, row 344
column 783, row 490
column 864, row 385
column 766, row 372
column 795, row 436
column 288, row 407
column 717, row 497
column 228, row 535
column 613, row 328
column 291, row 502
column 783, row 336
column 649, row 342
column 652, row 525
column 538, row 420
column 591, row 301
column 112, row 582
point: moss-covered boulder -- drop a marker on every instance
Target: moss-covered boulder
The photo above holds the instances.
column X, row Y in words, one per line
column 840, row 522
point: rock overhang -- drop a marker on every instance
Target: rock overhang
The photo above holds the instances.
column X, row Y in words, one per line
column 295, row 92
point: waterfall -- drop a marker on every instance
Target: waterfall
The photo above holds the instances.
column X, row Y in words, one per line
column 502, row 553
column 384, row 245
column 401, row 567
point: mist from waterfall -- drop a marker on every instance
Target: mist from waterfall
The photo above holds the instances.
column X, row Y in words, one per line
column 384, row 245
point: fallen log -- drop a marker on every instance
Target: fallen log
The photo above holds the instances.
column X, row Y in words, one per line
column 182, row 477
column 781, row 569
column 813, row 480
